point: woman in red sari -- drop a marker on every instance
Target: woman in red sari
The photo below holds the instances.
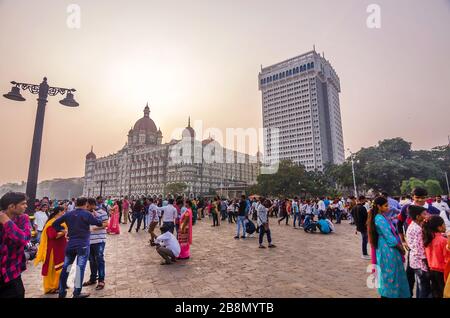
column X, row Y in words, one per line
column 113, row 226
column 185, row 233
column 51, row 252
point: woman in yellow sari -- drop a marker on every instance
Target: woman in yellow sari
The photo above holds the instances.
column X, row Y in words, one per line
column 51, row 252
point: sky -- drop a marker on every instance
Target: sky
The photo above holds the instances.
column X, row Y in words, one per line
column 201, row 59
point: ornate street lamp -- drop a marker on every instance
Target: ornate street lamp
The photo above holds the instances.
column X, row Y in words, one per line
column 43, row 90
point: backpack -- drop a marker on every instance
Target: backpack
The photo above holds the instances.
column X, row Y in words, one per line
column 250, row 227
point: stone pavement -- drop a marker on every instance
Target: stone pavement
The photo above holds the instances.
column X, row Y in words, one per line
column 302, row 265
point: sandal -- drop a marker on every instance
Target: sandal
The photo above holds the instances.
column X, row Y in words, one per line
column 100, row 286
column 88, row 283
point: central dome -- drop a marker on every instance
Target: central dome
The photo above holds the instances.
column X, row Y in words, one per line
column 145, row 123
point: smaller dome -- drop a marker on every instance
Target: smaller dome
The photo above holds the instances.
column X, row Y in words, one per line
column 91, row 155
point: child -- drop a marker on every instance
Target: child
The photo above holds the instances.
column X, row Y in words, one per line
column 436, row 251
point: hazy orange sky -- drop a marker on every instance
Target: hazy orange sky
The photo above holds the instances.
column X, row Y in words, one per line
column 202, row 58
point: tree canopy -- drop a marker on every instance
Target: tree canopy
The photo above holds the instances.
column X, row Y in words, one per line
column 390, row 166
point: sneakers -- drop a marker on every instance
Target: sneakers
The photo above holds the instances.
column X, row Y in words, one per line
column 82, row 295
column 243, row 237
column 262, row 246
column 367, row 257
column 272, row 245
column 236, row 237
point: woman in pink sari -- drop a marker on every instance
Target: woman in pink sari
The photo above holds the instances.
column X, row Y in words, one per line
column 113, row 226
column 185, row 233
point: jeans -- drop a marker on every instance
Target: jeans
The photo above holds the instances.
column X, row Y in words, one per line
column 284, row 217
column 230, row 217
column 423, row 287
column 437, row 284
column 38, row 236
column 171, row 226
column 263, row 231
column 365, row 240
column 97, row 262
column 151, row 230
column 215, row 217
column 82, row 255
column 136, row 216
column 12, row 289
column 410, row 276
column 297, row 217
column 166, row 254
column 240, row 221
column 338, row 214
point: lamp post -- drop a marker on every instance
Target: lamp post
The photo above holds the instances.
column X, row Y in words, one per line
column 101, row 186
column 448, row 187
column 353, row 173
column 43, row 90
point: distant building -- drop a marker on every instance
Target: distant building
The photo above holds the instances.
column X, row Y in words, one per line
column 144, row 166
column 300, row 97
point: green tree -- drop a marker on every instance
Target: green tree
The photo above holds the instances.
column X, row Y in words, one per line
column 176, row 188
column 433, row 187
column 408, row 185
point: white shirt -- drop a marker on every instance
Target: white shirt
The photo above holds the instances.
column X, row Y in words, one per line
column 405, row 202
column 169, row 241
column 153, row 213
column 71, row 206
column 39, row 219
column 442, row 206
column 321, row 206
column 170, row 213
column 444, row 216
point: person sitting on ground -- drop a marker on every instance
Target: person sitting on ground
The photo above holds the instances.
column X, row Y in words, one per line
column 309, row 225
column 323, row 226
column 167, row 246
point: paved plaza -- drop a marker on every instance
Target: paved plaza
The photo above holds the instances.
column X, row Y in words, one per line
column 302, row 265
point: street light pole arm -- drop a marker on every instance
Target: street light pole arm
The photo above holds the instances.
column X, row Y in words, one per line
column 34, row 88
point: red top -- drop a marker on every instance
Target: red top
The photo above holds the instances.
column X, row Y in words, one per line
column 58, row 247
column 437, row 254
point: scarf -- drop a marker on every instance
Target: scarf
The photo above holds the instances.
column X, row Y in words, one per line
column 397, row 237
column 42, row 250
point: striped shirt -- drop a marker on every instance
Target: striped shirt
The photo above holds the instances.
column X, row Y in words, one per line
column 99, row 235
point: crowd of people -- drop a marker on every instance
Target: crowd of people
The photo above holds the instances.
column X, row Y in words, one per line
column 409, row 245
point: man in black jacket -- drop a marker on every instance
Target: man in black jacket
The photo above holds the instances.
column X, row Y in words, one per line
column 360, row 214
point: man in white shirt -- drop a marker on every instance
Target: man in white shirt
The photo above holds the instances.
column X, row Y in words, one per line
column 443, row 207
column 40, row 218
column 321, row 206
column 167, row 246
column 169, row 215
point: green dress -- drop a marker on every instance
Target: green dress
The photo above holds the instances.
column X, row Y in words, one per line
column 392, row 279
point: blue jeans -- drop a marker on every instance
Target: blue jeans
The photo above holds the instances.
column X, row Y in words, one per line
column 297, row 217
column 82, row 255
column 97, row 262
column 263, row 231
column 38, row 236
column 338, row 216
column 365, row 239
column 241, row 220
